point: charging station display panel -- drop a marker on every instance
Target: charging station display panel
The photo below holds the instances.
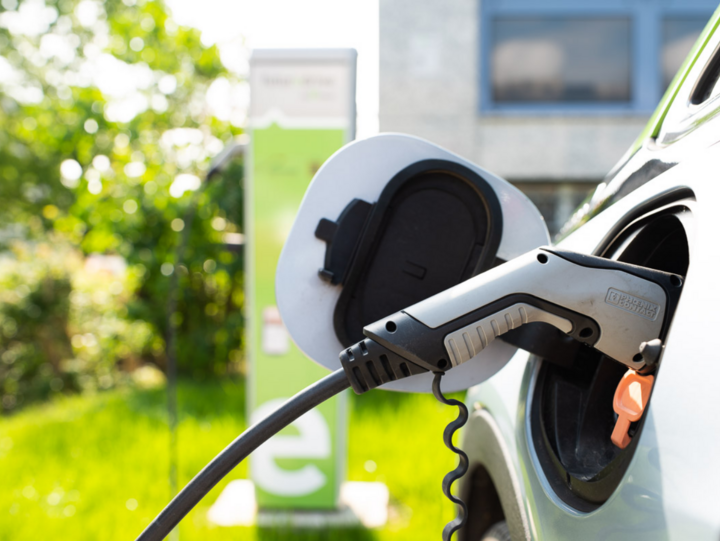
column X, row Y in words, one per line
column 302, row 111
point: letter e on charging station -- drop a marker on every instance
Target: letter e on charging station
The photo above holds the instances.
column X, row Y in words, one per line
column 302, row 110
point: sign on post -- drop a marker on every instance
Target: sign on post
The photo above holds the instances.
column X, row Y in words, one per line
column 302, row 110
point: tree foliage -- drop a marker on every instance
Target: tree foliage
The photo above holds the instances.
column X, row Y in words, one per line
column 107, row 131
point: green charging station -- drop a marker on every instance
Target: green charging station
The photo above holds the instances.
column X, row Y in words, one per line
column 302, row 111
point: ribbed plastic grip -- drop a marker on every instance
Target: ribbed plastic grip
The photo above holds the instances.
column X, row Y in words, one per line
column 368, row 365
column 463, row 344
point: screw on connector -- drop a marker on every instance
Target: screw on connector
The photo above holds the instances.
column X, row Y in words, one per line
column 462, row 467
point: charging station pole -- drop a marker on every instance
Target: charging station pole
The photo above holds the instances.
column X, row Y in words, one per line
column 302, row 110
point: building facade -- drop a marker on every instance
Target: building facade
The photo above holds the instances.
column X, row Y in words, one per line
column 548, row 95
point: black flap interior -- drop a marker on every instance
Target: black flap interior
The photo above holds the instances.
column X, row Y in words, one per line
column 436, row 224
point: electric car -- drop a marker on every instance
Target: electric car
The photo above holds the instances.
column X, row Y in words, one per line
column 542, row 462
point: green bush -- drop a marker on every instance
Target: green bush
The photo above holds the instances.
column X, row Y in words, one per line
column 64, row 325
column 79, row 177
column 34, row 314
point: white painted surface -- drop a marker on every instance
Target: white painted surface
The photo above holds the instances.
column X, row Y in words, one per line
column 360, row 503
column 236, row 505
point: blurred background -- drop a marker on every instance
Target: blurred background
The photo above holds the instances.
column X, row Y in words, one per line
column 110, row 114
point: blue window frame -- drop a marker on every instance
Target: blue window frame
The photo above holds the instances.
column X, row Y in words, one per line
column 591, row 57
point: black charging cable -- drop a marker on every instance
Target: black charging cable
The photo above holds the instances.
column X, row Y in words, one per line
column 239, row 449
column 462, row 467
column 364, row 366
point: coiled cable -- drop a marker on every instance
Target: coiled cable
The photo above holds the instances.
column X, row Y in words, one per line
column 462, row 467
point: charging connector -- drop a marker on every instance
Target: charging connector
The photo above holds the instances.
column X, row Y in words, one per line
column 612, row 306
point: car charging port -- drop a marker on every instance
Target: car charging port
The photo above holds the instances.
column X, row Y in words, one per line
column 572, row 416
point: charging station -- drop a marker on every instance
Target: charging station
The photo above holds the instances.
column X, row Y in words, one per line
column 302, row 111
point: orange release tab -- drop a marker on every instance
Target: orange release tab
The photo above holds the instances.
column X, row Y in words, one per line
column 631, row 397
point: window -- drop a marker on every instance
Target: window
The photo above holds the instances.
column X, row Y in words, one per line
column 561, row 60
column 595, row 56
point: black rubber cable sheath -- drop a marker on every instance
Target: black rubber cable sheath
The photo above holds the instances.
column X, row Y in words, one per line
column 459, row 521
column 239, row 449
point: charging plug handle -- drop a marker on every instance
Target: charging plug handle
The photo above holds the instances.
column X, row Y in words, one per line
column 612, row 306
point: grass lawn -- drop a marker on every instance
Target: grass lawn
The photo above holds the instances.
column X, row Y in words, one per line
column 95, row 467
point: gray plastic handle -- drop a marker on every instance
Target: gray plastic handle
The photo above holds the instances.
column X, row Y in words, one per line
column 463, row 344
column 628, row 309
